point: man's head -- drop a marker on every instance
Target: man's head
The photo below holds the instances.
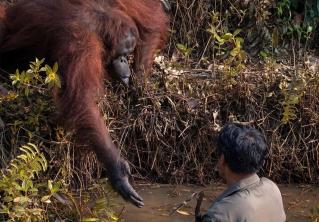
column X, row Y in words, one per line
column 241, row 148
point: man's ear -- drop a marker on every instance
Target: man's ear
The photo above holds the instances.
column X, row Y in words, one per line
column 222, row 160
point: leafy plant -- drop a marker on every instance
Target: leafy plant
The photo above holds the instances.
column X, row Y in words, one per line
column 292, row 11
column 27, row 81
column 228, row 44
column 29, row 194
column 292, row 89
column 29, row 99
column 26, row 198
column 185, row 50
column 283, row 6
column 229, row 47
column 23, row 199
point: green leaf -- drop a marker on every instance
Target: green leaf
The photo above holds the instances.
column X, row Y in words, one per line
column 50, row 186
column 234, row 52
column 219, row 39
column 227, row 36
column 46, row 199
column 47, row 80
column 56, row 187
column 309, row 28
column 237, row 31
column 239, row 40
column 14, row 165
column 23, row 157
column 263, row 55
column 55, row 67
column 33, row 190
column 181, row 47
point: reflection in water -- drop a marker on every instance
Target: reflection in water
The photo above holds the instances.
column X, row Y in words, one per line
column 160, row 200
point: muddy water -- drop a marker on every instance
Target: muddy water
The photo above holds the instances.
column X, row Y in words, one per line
column 160, row 200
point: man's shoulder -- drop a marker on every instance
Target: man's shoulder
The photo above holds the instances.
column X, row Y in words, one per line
column 243, row 203
column 268, row 181
column 268, row 185
column 265, row 190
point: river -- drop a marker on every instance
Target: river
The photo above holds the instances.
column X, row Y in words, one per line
column 160, row 200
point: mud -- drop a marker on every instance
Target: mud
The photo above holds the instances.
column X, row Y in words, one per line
column 160, row 201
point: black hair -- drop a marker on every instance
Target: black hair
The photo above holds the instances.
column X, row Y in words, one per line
column 244, row 148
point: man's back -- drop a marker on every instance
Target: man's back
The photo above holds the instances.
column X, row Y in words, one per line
column 252, row 199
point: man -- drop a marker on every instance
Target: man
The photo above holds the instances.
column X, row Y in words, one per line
column 248, row 198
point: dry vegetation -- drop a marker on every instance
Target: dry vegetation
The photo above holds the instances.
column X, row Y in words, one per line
column 167, row 128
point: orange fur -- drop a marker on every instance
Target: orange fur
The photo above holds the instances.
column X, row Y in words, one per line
column 81, row 35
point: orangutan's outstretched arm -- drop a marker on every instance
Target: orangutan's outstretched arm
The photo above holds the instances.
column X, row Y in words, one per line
column 82, row 75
